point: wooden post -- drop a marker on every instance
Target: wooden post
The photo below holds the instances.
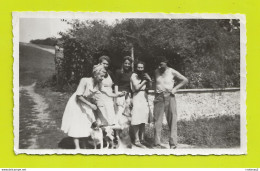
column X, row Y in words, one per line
column 133, row 58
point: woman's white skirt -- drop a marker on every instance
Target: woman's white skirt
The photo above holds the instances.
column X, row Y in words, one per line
column 140, row 111
column 77, row 118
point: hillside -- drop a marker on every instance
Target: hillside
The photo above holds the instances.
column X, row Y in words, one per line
column 35, row 64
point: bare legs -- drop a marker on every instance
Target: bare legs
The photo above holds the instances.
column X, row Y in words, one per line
column 141, row 131
column 136, row 133
column 76, row 142
column 139, row 134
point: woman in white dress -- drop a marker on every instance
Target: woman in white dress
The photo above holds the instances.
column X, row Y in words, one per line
column 107, row 110
column 140, row 111
column 78, row 115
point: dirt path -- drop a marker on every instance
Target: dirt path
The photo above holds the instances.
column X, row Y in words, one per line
column 39, row 117
column 36, row 64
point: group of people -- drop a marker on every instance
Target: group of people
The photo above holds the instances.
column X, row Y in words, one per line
column 107, row 97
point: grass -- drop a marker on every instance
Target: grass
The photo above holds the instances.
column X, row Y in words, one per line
column 50, row 137
column 35, row 65
column 218, row 132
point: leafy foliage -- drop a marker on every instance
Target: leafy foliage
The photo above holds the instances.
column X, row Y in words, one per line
column 83, row 44
column 207, row 51
column 50, row 41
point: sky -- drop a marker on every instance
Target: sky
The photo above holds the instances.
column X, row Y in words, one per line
column 41, row 28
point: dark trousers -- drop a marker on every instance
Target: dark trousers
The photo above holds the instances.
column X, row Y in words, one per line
column 165, row 103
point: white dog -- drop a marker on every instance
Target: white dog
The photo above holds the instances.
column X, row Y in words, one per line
column 96, row 135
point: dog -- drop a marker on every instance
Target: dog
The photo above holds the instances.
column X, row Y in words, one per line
column 108, row 136
column 102, row 135
column 96, row 135
column 124, row 120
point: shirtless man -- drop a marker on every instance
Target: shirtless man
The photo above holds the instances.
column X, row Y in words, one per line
column 164, row 101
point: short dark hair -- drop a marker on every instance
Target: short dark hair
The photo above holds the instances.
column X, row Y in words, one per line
column 162, row 59
column 100, row 59
column 129, row 58
column 139, row 62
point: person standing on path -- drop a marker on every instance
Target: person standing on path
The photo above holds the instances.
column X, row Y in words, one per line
column 122, row 81
column 140, row 111
column 78, row 115
column 107, row 110
column 123, row 104
column 165, row 102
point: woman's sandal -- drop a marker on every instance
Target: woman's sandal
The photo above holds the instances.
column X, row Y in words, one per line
column 145, row 143
column 139, row 144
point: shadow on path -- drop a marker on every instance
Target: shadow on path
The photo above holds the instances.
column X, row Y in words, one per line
column 67, row 143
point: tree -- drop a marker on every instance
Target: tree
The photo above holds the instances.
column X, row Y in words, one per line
column 83, row 44
column 207, row 51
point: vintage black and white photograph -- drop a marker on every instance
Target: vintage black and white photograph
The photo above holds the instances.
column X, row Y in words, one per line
column 129, row 83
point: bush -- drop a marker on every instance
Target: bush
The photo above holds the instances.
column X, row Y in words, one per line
column 206, row 51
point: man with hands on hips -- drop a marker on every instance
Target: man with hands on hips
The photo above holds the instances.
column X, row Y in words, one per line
column 165, row 102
